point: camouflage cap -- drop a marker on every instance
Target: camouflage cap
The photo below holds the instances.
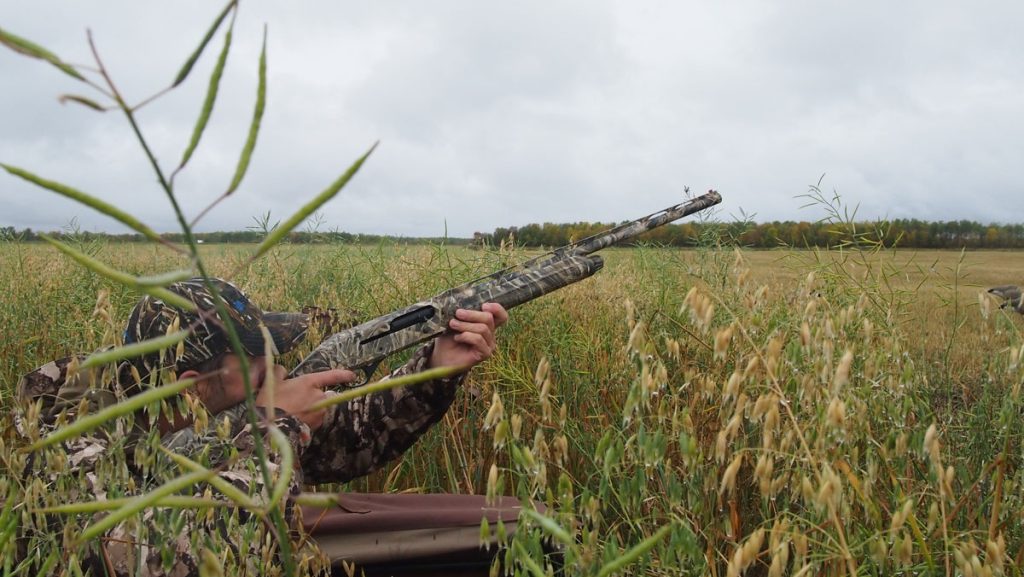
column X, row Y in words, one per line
column 152, row 318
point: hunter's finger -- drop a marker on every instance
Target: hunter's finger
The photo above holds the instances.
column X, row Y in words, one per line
column 477, row 341
column 472, row 316
column 484, row 330
column 331, row 377
column 498, row 312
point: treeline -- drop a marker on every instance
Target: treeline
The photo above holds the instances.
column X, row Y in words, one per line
column 906, row 233
column 235, row 237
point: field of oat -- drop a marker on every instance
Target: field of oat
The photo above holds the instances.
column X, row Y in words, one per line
column 706, row 412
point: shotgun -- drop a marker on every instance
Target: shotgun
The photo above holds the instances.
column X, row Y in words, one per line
column 361, row 348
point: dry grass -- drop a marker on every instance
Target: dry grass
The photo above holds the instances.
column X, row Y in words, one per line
column 771, row 412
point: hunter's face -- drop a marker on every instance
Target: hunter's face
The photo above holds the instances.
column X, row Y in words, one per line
column 226, row 388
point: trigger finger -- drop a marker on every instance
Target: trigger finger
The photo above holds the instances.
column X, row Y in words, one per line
column 335, row 377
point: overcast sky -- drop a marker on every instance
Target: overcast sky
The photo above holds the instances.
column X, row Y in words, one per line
column 505, row 113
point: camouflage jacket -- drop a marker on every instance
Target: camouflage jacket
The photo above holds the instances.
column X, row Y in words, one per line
column 357, row 438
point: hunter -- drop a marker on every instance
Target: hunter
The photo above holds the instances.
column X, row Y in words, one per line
column 333, row 445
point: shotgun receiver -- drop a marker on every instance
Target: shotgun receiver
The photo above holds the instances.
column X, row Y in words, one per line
column 363, row 347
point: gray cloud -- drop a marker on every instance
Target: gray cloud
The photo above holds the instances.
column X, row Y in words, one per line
column 494, row 114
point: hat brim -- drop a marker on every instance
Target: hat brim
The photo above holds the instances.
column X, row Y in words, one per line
column 287, row 330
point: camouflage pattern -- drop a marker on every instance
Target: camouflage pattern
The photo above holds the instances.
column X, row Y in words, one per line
column 641, row 225
column 356, row 438
column 152, row 318
column 59, row 387
column 362, row 347
column 360, row 436
column 139, row 547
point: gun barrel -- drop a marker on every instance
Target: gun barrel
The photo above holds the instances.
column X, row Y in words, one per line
column 642, row 225
column 518, row 287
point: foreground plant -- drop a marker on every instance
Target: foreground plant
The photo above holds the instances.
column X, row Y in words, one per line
column 28, row 499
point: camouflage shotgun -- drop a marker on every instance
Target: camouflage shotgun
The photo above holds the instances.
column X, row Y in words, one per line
column 363, row 347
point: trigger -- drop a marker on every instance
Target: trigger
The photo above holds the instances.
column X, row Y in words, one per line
column 367, row 373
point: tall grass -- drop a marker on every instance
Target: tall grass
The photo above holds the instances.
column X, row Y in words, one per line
column 778, row 422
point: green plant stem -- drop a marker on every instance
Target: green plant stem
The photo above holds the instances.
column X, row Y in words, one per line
column 276, row 515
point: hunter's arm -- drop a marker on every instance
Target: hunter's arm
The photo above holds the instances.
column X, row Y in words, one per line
column 359, row 436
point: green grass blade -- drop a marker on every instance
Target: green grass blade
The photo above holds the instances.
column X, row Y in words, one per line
column 257, row 118
column 134, row 403
column 281, row 231
column 230, row 491
column 47, row 565
column 183, row 73
column 523, row 556
column 211, row 97
column 90, row 201
column 29, row 48
column 164, row 279
column 631, row 556
column 318, row 500
column 172, row 501
column 550, row 526
column 8, row 521
column 285, row 470
column 87, row 102
column 141, row 502
column 415, row 378
column 125, row 279
column 134, row 350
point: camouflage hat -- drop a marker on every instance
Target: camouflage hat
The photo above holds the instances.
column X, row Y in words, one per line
column 152, row 317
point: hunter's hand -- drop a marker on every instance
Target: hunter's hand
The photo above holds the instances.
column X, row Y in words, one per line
column 470, row 338
column 294, row 396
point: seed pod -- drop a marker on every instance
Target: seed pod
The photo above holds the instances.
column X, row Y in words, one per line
column 752, row 547
column 492, row 483
column 485, row 534
column 933, row 516
column 543, row 369
column 517, row 425
column 931, row 443
column 752, row 365
column 901, row 444
column 495, row 414
column 842, row 377
column 732, row 387
column 729, row 477
column 805, row 335
column 836, row 413
column 905, row 550
column 722, row 339
column 500, row 434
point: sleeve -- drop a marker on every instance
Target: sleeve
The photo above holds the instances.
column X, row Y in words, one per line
column 233, row 423
column 359, row 436
column 174, row 542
